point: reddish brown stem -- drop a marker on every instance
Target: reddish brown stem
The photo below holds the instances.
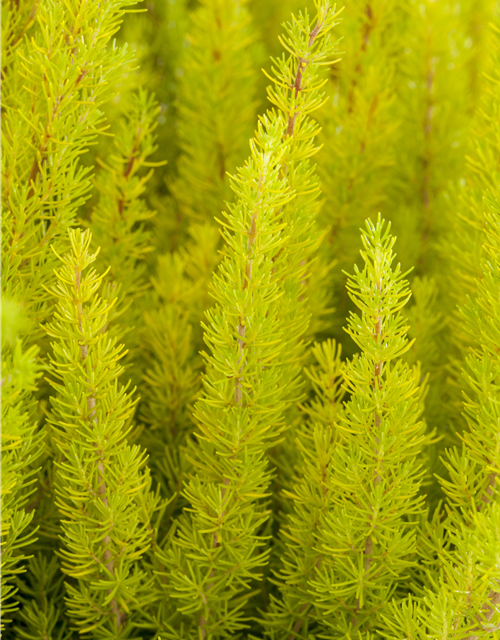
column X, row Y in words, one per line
column 128, row 170
column 377, row 376
column 297, row 85
column 365, row 39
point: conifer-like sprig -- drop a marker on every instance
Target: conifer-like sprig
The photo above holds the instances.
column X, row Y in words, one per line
column 460, row 596
column 218, row 73
column 364, row 539
column 253, row 333
column 459, row 583
column 461, row 243
column 217, row 550
column 58, row 68
column 296, row 91
column 475, row 470
column 41, row 590
column 54, row 85
column 217, row 61
column 326, row 378
column 101, row 481
column 358, row 134
column 377, row 471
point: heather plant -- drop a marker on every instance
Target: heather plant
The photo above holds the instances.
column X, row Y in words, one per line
column 250, row 398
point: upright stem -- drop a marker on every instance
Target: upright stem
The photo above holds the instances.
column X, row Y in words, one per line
column 297, row 85
column 247, row 275
column 102, row 489
column 297, row 88
column 490, row 488
column 377, row 383
column 377, row 373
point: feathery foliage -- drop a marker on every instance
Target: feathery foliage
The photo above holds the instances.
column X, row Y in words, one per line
column 253, row 333
column 103, row 492
column 192, row 447
column 350, row 539
column 21, row 446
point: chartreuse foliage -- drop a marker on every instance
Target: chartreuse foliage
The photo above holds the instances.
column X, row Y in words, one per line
column 156, row 34
column 55, row 78
column 459, row 590
column 463, row 242
column 350, row 539
column 102, row 486
column 254, row 336
column 217, row 72
column 21, row 446
column 58, row 67
column 41, row 589
column 434, row 103
column 118, row 221
column 272, row 476
column 359, row 126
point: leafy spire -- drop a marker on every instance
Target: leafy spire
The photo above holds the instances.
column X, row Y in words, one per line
column 461, row 248
column 218, row 73
column 220, row 54
column 350, row 547
column 102, row 488
column 311, row 494
column 359, row 135
column 253, row 333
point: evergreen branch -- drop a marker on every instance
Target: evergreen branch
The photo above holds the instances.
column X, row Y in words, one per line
column 221, row 53
column 358, row 135
column 253, row 376
column 469, row 584
column 465, row 215
column 53, row 87
column 40, row 589
column 100, row 479
column 312, row 495
column 361, row 540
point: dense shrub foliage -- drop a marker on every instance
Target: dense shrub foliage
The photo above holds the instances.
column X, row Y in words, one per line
column 250, row 321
